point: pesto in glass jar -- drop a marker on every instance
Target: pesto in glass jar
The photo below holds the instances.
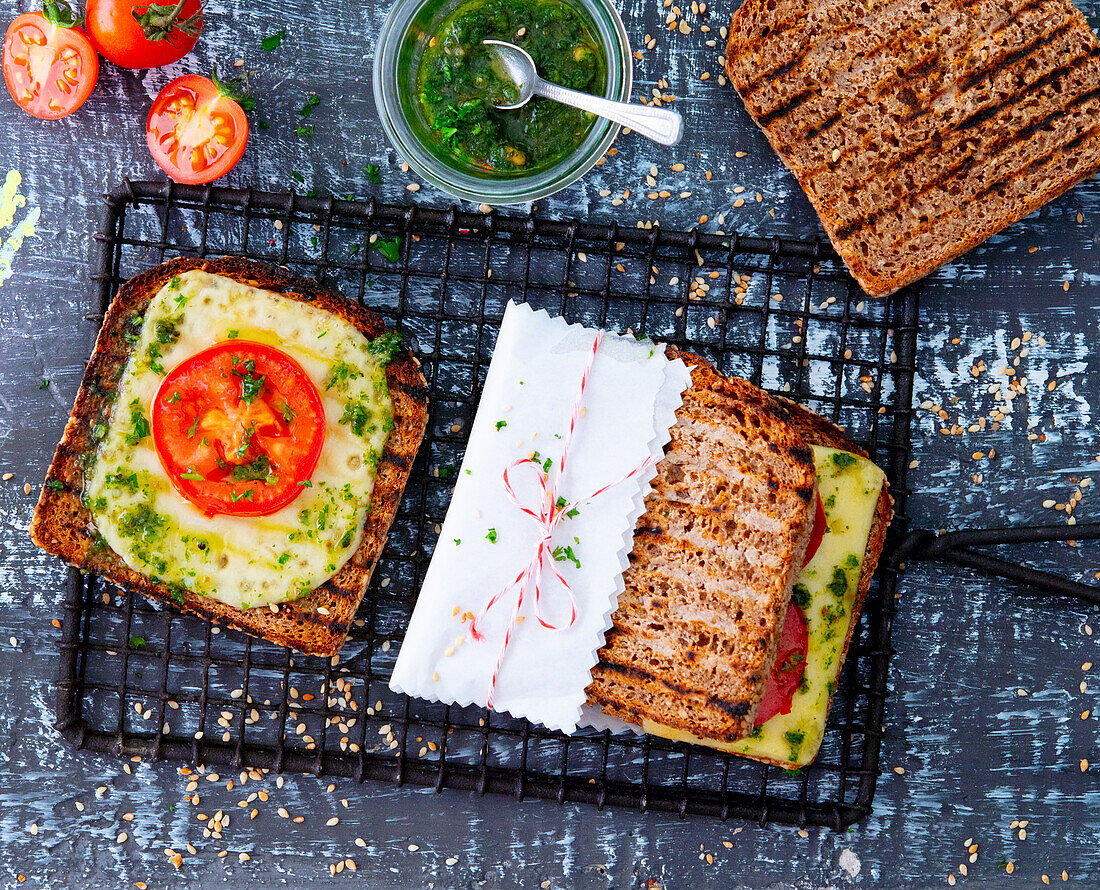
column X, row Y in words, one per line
column 458, row 89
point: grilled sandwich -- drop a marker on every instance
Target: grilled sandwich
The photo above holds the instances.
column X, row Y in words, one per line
column 918, row 129
column 749, row 569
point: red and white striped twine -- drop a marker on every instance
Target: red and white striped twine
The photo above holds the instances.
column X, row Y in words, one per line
column 546, row 515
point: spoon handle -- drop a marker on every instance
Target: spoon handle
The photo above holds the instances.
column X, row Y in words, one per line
column 659, row 124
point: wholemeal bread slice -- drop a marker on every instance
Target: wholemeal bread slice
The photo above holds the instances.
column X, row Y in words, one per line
column 918, row 129
column 655, row 641
column 715, row 554
column 317, row 623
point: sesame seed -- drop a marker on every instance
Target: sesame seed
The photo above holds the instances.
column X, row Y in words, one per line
column 413, row 848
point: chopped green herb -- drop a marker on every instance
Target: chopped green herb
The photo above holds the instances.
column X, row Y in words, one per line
column 305, row 130
column 273, row 41
column 305, row 483
column 140, row 426
column 288, row 413
column 233, row 334
column 44, row 384
column 501, row 424
column 137, row 642
column 446, row 472
column 173, row 399
column 312, row 102
column 55, row 485
column 342, row 372
column 191, row 474
column 458, row 541
column 838, row 584
column 383, row 349
column 800, row 596
column 843, row 460
column 298, row 177
column 191, row 429
column 561, row 502
column 390, row 249
column 258, row 470
column 251, row 385
column 851, row 561
column 357, row 416
column 372, row 173
column 566, row 554
column 794, row 738
column 572, row 514
column 491, row 537
column 244, row 495
column 166, row 330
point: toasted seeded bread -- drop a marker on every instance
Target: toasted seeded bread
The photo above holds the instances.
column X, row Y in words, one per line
column 715, row 555
column 918, row 129
column 646, row 625
column 316, row 624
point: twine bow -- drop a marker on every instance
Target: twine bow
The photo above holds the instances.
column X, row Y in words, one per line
column 547, row 515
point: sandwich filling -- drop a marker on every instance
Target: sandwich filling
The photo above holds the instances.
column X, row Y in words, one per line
column 240, row 454
column 824, row 598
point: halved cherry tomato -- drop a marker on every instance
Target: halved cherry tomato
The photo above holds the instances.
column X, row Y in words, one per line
column 789, row 667
column 817, row 533
column 237, row 428
column 49, row 63
column 195, row 131
column 144, row 35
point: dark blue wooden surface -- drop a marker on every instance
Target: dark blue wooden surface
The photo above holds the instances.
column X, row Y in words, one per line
column 985, row 718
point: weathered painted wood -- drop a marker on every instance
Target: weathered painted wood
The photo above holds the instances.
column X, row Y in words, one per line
column 985, row 715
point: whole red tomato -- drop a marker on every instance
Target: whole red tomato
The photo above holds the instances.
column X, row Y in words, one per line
column 49, row 64
column 136, row 34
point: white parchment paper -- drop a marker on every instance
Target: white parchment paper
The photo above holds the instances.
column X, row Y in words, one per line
column 630, row 403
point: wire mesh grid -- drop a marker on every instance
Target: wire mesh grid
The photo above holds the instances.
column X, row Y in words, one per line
column 140, row 679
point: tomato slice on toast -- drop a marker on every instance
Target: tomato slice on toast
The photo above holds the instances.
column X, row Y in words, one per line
column 238, row 428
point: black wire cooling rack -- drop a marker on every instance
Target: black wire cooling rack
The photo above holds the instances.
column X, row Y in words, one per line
column 140, row 679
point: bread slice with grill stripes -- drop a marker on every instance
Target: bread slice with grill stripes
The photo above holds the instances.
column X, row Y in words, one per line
column 919, row 128
column 715, row 554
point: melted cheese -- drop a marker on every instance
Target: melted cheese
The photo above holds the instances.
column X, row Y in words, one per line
column 245, row 561
column 827, row 589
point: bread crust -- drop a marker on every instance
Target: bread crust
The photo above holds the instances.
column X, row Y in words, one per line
column 317, row 623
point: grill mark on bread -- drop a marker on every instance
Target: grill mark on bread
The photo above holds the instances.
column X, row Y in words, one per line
column 1059, row 73
column 958, row 128
column 916, row 35
column 803, row 47
column 1022, row 53
column 917, row 69
column 733, row 709
column 847, row 229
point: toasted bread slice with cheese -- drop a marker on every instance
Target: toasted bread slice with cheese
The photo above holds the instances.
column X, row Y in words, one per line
column 918, row 130
column 316, row 623
column 697, row 627
column 715, row 555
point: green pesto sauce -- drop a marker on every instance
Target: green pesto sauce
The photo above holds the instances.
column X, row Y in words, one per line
column 458, row 89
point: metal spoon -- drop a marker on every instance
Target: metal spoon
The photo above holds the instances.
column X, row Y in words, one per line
column 659, row 124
